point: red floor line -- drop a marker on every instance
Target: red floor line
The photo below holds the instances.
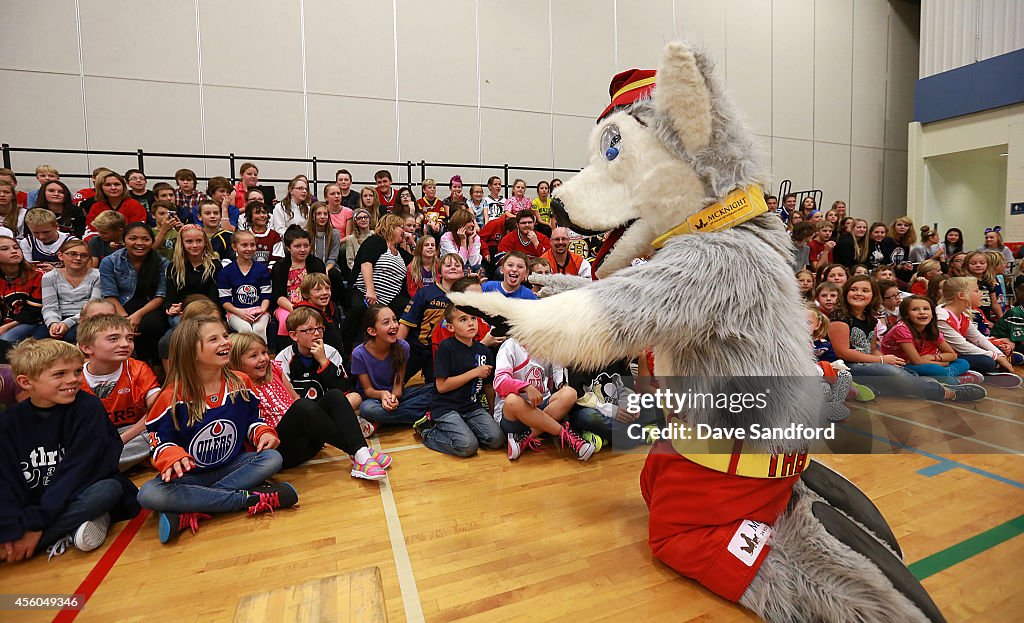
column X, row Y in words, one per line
column 104, row 565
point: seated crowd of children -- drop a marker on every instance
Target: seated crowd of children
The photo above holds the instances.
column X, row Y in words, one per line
column 903, row 318
column 227, row 338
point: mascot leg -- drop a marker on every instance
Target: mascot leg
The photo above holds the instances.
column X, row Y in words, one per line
column 823, row 567
column 844, row 496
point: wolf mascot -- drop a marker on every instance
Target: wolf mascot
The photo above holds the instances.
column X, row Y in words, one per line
column 674, row 175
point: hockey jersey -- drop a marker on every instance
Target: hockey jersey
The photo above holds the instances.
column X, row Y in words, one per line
column 231, row 419
column 311, row 380
column 125, row 398
column 514, row 370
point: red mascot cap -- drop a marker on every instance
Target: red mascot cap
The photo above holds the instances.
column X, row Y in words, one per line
column 628, row 87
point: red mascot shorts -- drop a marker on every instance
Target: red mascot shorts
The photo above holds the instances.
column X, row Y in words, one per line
column 708, row 525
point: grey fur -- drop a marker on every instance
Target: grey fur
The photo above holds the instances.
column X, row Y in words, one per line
column 809, row 576
column 554, row 283
column 718, row 304
column 732, row 159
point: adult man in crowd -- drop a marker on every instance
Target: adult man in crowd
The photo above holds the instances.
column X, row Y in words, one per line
column 523, row 238
column 562, row 260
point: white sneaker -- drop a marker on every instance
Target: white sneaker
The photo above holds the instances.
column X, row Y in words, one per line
column 92, row 534
column 366, row 427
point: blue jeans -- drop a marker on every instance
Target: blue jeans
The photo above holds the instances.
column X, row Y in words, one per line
column 981, row 363
column 23, row 331
column 461, row 434
column 110, row 495
column 414, row 404
column 953, row 370
column 592, row 420
column 887, row 380
column 221, row 490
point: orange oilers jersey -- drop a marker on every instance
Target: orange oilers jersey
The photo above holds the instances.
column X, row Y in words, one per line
column 126, row 401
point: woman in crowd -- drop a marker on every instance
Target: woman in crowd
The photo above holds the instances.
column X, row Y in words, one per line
column 953, row 243
column 340, row 214
column 852, row 246
column 378, row 274
column 112, row 194
column 929, row 247
column 134, row 280
column 193, row 270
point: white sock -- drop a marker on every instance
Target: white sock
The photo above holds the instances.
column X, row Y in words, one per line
column 362, row 455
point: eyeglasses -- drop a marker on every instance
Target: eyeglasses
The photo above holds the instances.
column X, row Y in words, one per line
column 890, row 297
column 77, row 256
column 363, row 218
column 311, row 331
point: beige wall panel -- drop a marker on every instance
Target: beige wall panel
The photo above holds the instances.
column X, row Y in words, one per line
column 115, row 43
column 350, row 48
column 437, row 51
column 515, row 67
column 583, row 62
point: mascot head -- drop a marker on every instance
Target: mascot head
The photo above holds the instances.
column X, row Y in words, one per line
column 659, row 155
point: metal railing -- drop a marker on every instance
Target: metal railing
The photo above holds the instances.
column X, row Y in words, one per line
column 786, row 188
column 408, row 168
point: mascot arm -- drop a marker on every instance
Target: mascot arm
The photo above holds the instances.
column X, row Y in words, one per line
column 588, row 327
column 555, row 284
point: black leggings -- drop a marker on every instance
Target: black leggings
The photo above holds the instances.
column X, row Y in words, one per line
column 308, row 425
column 151, row 329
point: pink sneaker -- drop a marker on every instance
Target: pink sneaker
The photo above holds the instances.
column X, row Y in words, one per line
column 384, row 460
column 369, row 470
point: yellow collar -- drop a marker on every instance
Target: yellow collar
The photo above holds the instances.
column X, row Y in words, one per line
column 739, row 206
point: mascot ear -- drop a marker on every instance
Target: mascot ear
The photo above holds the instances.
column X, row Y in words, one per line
column 682, row 95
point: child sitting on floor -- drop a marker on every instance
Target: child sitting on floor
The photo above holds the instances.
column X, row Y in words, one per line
column 126, row 387
column 835, row 373
column 304, row 425
column 58, row 460
column 199, row 428
column 379, row 363
column 533, row 398
column 1011, row 325
column 916, row 340
column 458, row 423
column 889, row 313
column 312, row 366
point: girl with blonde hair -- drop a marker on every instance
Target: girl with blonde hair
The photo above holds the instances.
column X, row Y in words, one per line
column 304, row 426
column 193, row 270
column 199, row 427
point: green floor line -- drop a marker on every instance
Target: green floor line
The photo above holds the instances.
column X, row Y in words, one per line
column 940, row 561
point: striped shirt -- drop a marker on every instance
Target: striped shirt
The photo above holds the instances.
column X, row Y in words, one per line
column 389, row 269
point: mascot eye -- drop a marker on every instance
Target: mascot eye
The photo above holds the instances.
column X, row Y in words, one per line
column 610, row 140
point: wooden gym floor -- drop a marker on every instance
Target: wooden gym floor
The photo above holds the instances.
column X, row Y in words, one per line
column 550, row 538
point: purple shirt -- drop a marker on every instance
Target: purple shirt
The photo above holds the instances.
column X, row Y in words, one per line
column 381, row 372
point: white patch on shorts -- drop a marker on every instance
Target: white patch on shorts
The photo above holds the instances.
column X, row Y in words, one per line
column 748, row 541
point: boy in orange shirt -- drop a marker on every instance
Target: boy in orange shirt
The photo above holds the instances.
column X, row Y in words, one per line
column 126, row 387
